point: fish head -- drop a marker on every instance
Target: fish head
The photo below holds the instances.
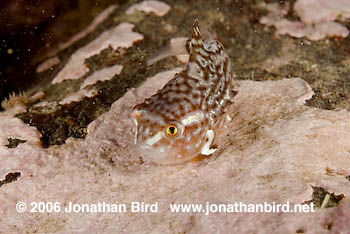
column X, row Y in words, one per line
column 167, row 141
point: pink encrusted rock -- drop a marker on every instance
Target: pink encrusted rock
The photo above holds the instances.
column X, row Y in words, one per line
column 12, row 127
column 92, row 26
column 102, row 75
column 274, row 148
column 48, row 64
column 311, row 28
column 120, row 36
column 318, row 11
column 342, row 218
column 157, row 7
column 78, row 95
column 314, row 33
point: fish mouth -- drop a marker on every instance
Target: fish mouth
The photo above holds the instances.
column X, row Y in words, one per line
column 154, row 154
column 167, row 156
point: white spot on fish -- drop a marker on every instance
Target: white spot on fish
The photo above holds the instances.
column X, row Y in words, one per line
column 196, row 131
column 151, row 141
column 183, row 88
column 198, row 143
column 202, row 52
column 188, row 147
column 147, row 131
column 212, row 66
column 195, row 71
column 192, row 118
column 203, row 62
column 211, row 46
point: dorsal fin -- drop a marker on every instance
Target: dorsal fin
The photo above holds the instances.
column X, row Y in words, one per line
column 177, row 46
column 199, row 35
column 196, row 34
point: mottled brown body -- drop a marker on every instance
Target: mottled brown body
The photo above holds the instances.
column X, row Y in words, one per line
column 178, row 123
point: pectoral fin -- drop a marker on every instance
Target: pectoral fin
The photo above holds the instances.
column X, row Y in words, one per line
column 206, row 150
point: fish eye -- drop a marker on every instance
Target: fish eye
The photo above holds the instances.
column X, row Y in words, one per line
column 171, row 130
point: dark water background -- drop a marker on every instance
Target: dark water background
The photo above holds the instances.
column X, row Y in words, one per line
column 30, row 28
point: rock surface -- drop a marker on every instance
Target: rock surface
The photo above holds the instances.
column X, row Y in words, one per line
column 274, row 150
column 317, row 19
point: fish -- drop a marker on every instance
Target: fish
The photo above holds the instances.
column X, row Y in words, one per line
column 181, row 120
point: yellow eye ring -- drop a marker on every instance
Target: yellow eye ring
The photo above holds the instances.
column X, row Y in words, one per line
column 171, row 130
